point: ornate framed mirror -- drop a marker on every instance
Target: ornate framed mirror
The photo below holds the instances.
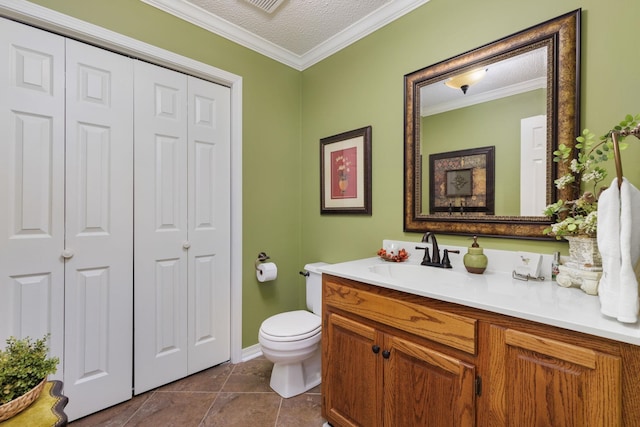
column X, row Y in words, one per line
column 524, row 104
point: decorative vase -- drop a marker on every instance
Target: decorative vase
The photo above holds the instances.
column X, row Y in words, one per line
column 584, row 266
column 343, row 183
column 583, row 251
column 21, row 403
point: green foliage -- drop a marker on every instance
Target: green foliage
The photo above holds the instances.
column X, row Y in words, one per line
column 23, row 365
column 580, row 216
column 595, row 150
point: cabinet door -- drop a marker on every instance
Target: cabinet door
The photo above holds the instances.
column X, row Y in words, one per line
column 536, row 381
column 351, row 371
column 423, row 387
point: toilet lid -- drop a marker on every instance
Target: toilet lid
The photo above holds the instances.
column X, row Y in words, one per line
column 298, row 324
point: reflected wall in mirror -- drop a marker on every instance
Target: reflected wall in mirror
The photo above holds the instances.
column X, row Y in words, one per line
column 519, row 94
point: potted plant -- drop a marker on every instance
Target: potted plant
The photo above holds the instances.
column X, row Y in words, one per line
column 578, row 219
column 24, row 367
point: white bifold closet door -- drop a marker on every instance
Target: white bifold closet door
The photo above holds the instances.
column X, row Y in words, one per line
column 99, row 229
column 67, row 209
column 69, row 114
column 182, row 225
column 32, row 185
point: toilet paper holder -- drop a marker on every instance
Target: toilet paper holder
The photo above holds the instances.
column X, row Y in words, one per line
column 262, row 257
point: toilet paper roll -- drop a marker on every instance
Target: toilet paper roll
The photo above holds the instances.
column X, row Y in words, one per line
column 266, row 272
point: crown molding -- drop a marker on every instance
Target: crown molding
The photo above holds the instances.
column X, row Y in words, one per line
column 203, row 19
column 359, row 30
column 374, row 21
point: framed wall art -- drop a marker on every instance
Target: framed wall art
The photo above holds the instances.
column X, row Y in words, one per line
column 462, row 182
column 345, row 173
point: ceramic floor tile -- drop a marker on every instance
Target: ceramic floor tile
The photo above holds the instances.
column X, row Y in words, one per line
column 167, row 409
column 316, row 390
column 208, row 380
column 301, row 411
column 116, row 416
column 226, row 395
column 251, row 376
column 243, row 410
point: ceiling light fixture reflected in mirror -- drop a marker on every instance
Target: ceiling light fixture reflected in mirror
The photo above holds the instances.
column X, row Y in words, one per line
column 465, row 80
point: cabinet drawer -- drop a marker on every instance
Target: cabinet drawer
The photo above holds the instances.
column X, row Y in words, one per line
column 446, row 328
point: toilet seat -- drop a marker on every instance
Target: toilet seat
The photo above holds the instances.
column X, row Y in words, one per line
column 291, row 326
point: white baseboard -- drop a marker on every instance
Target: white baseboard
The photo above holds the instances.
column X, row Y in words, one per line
column 251, row 352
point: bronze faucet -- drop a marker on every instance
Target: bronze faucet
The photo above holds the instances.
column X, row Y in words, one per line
column 435, row 260
column 434, row 245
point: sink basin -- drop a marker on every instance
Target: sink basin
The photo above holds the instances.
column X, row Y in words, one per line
column 413, row 273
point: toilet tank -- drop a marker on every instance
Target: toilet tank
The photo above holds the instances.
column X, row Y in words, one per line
column 314, row 287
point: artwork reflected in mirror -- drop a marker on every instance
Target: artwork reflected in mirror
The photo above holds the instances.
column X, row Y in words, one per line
column 462, row 182
column 518, row 95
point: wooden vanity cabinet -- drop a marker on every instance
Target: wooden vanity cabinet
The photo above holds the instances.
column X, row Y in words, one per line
column 395, row 359
column 352, row 372
column 380, row 375
column 537, row 381
column 425, row 387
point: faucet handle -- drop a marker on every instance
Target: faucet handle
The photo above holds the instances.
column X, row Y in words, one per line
column 446, row 263
column 427, row 258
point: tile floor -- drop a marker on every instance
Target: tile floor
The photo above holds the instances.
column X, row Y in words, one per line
column 226, row 395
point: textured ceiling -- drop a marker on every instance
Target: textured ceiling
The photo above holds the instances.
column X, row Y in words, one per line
column 297, row 25
column 298, row 33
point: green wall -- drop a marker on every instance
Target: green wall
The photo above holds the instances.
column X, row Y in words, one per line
column 287, row 112
column 363, row 85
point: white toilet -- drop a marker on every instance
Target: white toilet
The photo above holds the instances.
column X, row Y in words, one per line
column 291, row 340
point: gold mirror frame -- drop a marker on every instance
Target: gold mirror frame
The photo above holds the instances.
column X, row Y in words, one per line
column 562, row 36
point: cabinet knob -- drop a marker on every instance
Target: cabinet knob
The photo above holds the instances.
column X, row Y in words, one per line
column 67, row 253
column 186, row 244
column 386, row 354
column 375, row 349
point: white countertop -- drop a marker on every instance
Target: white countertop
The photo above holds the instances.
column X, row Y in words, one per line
column 495, row 291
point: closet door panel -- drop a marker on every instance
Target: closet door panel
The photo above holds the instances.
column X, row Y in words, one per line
column 209, row 224
column 31, row 184
column 161, row 244
column 99, row 229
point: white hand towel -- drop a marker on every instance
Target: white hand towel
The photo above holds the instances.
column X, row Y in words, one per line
column 629, row 252
column 619, row 245
column 609, row 246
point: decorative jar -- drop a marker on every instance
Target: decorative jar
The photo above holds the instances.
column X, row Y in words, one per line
column 475, row 261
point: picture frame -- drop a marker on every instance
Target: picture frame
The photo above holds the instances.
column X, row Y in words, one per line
column 345, row 172
column 462, row 182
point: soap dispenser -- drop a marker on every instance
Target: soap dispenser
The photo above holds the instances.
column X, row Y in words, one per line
column 475, row 261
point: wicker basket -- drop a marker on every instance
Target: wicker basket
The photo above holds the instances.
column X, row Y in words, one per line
column 21, row 403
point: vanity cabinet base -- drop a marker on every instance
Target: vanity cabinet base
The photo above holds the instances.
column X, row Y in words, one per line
column 396, row 359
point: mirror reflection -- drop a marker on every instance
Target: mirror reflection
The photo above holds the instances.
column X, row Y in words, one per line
column 502, row 104
column 516, row 99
